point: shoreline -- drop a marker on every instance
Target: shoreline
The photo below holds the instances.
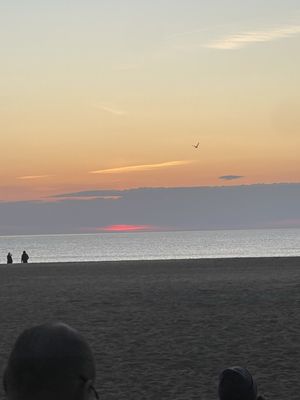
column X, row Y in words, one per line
column 206, row 260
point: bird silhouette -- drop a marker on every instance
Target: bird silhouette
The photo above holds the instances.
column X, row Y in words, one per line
column 196, row 145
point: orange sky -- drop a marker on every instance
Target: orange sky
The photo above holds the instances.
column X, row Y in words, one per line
column 102, row 88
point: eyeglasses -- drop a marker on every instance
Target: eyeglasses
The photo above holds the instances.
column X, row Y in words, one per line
column 91, row 387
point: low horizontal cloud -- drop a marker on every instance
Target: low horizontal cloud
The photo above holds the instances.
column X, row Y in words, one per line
column 92, row 194
column 28, row 177
column 243, row 39
column 142, row 167
column 81, row 197
column 230, row 177
column 109, row 109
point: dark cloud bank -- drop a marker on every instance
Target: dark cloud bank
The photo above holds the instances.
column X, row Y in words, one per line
column 234, row 207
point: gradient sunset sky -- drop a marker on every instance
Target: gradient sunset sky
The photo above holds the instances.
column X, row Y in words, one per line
column 113, row 94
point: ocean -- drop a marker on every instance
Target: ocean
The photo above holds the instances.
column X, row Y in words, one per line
column 153, row 245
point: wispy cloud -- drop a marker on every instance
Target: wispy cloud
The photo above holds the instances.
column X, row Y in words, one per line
column 230, row 177
column 243, row 39
column 143, row 167
column 109, row 109
column 28, row 177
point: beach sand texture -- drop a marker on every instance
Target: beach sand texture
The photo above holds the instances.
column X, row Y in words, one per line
column 165, row 329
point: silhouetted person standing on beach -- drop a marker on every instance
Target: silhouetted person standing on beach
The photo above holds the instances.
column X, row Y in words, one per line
column 50, row 362
column 9, row 258
column 25, row 257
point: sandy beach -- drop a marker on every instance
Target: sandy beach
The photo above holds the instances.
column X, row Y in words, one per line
column 164, row 329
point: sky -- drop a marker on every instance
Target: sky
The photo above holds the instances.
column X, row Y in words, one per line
column 113, row 94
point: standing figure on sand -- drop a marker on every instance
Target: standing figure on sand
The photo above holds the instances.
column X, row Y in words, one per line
column 25, row 257
column 9, row 258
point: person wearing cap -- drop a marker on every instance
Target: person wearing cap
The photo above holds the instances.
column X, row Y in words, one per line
column 236, row 383
column 50, row 361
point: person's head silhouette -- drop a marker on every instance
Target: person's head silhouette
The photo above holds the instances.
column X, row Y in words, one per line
column 50, row 361
column 236, row 383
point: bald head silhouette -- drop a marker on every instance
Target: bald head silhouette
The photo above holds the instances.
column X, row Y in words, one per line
column 50, row 361
column 236, row 383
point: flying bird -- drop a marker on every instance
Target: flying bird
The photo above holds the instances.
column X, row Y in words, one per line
column 196, row 145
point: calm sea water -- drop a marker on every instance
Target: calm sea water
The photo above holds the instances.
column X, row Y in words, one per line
column 153, row 245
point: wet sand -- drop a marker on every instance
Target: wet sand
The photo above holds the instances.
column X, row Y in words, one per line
column 164, row 329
